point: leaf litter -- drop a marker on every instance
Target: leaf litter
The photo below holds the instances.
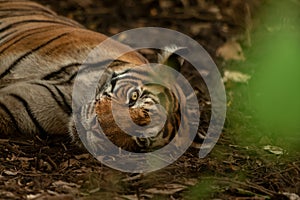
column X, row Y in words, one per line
column 62, row 171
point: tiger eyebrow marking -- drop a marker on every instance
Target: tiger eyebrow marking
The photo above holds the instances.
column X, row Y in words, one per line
column 115, row 77
column 41, row 130
column 11, row 116
column 140, row 71
column 30, row 52
column 113, row 82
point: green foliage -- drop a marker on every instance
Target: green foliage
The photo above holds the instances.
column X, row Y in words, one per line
column 275, row 84
column 203, row 190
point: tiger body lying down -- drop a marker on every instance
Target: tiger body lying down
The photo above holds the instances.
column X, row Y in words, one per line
column 40, row 54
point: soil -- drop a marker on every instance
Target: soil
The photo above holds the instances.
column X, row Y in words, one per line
column 237, row 168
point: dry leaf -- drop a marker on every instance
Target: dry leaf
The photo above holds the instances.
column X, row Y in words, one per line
column 94, row 190
column 63, row 183
column 70, row 163
column 33, row 196
column 10, row 173
column 58, row 197
column 235, row 76
column 191, row 182
column 231, row 50
column 168, row 189
column 197, row 28
column 82, row 156
column 273, row 149
column 165, row 4
column 130, row 197
column 291, row 196
column 6, row 194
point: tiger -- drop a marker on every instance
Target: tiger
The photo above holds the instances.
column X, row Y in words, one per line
column 41, row 55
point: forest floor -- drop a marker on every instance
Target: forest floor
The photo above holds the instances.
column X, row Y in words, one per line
column 248, row 162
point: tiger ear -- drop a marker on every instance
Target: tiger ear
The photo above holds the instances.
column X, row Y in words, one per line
column 170, row 56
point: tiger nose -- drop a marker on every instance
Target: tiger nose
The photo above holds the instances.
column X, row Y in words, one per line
column 143, row 142
column 140, row 116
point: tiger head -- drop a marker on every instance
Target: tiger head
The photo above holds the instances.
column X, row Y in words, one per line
column 137, row 117
column 136, row 106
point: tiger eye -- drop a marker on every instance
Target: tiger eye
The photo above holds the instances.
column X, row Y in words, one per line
column 134, row 96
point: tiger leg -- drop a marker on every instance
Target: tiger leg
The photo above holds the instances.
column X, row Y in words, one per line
column 36, row 108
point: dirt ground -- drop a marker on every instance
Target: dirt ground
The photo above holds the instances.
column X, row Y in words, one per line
column 237, row 168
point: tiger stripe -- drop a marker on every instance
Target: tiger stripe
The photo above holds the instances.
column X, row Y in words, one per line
column 42, row 132
column 20, row 23
column 10, row 115
column 62, row 102
column 41, row 56
column 14, row 40
column 63, row 71
column 18, row 60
